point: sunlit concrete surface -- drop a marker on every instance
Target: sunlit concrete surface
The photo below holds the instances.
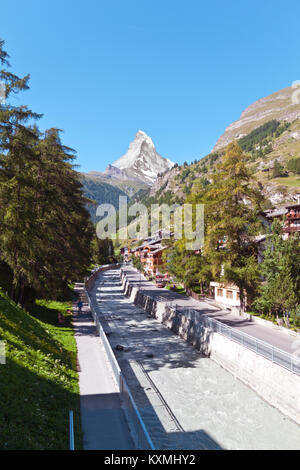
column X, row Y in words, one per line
column 187, row 401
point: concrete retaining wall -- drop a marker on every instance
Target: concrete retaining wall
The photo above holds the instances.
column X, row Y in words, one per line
column 278, row 386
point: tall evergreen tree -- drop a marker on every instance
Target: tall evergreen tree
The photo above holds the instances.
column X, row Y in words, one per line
column 16, row 156
column 280, row 270
column 191, row 268
column 102, row 251
column 45, row 234
column 232, row 203
column 65, row 251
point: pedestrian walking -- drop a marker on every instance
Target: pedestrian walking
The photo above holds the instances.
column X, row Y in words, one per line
column 79, row 306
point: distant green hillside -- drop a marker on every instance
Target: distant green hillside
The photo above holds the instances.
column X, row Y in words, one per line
column 100, row 193
column 39, row 382
column 106, row 191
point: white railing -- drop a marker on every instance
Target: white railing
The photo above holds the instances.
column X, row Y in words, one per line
column 268, row 351
column 71, row 430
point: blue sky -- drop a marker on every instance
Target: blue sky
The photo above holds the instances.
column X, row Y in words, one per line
column 181, row 71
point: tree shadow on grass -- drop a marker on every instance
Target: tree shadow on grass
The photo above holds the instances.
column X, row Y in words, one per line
column 49, row 314
column 34, row 410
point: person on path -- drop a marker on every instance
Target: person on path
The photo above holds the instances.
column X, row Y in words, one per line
column 79, row 306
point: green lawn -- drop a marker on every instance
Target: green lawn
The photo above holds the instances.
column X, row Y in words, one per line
column 39, row 382
column 291, row 181
column 178, row 289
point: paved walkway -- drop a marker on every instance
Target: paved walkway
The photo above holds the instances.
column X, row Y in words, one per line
column 276, row 338
column 103, row 420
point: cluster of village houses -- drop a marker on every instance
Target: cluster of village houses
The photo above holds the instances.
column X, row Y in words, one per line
column 151, row 249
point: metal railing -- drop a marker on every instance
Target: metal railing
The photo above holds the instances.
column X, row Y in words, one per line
column 142, row 438
column 140, row 434
column 268, row 351
column 260, row 347
column 71, row 429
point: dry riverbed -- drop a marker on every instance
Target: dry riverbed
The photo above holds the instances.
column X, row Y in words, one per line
column 187, row 401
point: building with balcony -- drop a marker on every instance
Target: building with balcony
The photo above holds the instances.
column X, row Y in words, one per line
column 151, row 257
column 292, row 221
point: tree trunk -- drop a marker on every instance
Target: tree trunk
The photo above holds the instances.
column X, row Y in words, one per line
column 21, row 293
column 12, row 291
column 242, row 300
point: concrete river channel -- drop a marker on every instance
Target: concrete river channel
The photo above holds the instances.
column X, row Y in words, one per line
column 187, row 401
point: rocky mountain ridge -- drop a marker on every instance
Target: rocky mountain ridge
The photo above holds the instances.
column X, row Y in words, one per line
column 283, row 105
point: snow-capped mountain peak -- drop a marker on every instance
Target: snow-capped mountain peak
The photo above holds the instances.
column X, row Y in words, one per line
column 142, row 162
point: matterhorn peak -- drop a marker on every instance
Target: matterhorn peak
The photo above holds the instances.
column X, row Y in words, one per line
column 142, row 162
column 142, row 135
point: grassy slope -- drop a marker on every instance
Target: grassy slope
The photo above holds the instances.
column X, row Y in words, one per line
column 39, row 382
column 284, row 149
column 291, row 181
column 178, row 289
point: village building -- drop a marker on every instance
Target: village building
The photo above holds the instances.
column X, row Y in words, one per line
column 268, row 216
column 289, row 215
column 292, row 221
column 151, row 257
column 226, row 295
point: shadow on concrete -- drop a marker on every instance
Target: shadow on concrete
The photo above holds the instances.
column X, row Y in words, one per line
column 163, row 439
column 153, row 345
column 104, row 417
column 150, row 343
column 84, row 330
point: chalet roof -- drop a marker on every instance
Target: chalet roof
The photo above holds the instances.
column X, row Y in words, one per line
column 159, row 249
column 276, row 212
column 154, row 247
column 147, row 242
column 293, row 206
